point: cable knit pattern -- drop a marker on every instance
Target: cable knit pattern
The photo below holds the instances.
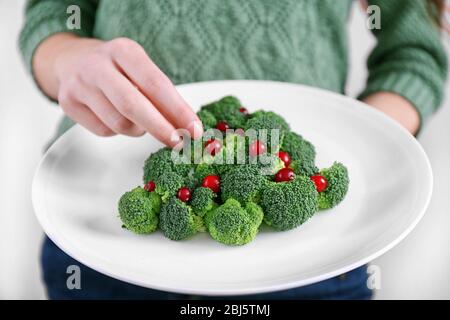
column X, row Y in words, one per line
column 300, row 41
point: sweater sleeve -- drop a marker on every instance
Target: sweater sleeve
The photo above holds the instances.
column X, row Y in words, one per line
column 409, row 58
column 44, row 18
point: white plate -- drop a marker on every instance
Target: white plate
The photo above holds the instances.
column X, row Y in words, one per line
column 81, row 178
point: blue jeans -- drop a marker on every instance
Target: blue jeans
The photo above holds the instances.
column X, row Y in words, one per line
column 94, row 285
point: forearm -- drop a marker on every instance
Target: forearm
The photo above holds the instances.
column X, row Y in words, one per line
column 396, row 107
column 408, row 61
column 47, row 60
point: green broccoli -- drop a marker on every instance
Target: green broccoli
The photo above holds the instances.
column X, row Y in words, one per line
column 302, row 153
column 264, row 124
column 233, row 152
column 178, row 221
column 203, row 200
column 139, row 209
column 337, row 186
column 269, row 164
column 287, row 205
column 160, row 162
column 242, row 183
column 274, row 117
column 168, row 184
column 202, row 170
column 207, row 118
column 227, row 109
column 247, row 194
column 190, row 181
column 233, row 224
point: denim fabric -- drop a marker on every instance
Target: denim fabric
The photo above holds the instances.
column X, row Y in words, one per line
column 95, row 285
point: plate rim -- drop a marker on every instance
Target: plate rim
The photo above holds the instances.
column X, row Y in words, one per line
column 428, row 173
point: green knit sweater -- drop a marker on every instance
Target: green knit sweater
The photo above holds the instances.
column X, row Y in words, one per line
column 300, row 41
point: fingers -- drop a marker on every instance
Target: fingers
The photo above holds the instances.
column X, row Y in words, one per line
column 132, row 104
column 155, row 85
column 104, row 110
column 85, row 117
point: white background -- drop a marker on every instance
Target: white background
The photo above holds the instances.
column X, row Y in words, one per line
column 418, row 268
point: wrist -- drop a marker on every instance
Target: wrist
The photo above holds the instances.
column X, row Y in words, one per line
column 397, row 108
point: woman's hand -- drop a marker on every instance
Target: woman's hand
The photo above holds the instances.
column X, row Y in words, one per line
column 112, row 88
column 396, row 107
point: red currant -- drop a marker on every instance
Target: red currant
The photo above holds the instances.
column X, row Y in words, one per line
column 243, row 110
column 213, row 146
column 212, row 182
column 320, row 182
column 222, row 126
column 285, row 174
column 285, row 157
column 184, row 194
column 150, row 186
column 256, row 148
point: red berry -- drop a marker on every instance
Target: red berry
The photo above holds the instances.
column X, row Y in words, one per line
column 150, row 186
column 213, row 146
column 285, row 157
column 212, row 182
column 222, row 126
column 285, row 174
column 320, row 182
column 243, row 110
column 257, row 148
column 184, row 194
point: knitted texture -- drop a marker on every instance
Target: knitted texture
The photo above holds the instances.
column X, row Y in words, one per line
column 300, row 41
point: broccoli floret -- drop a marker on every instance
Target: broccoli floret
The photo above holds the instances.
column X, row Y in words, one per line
column 178, row 221
column 287, row 205
column 242, row 183
column 227, row 109
column 203, row 200
column 207, row 118
column 232, row 153
column 269, row 164
column 168, row 184
column 302, row 153
column 303, row 168
column 139, row 209
column 233, row 224
column 337, row 186
column 190, row 181
column 203, row 170
column 272, row 115
column 235, row 152
column 263, row 125
column 160, row 163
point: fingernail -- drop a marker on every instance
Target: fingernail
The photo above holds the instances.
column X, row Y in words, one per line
column 175, row 138
column 196, row 129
